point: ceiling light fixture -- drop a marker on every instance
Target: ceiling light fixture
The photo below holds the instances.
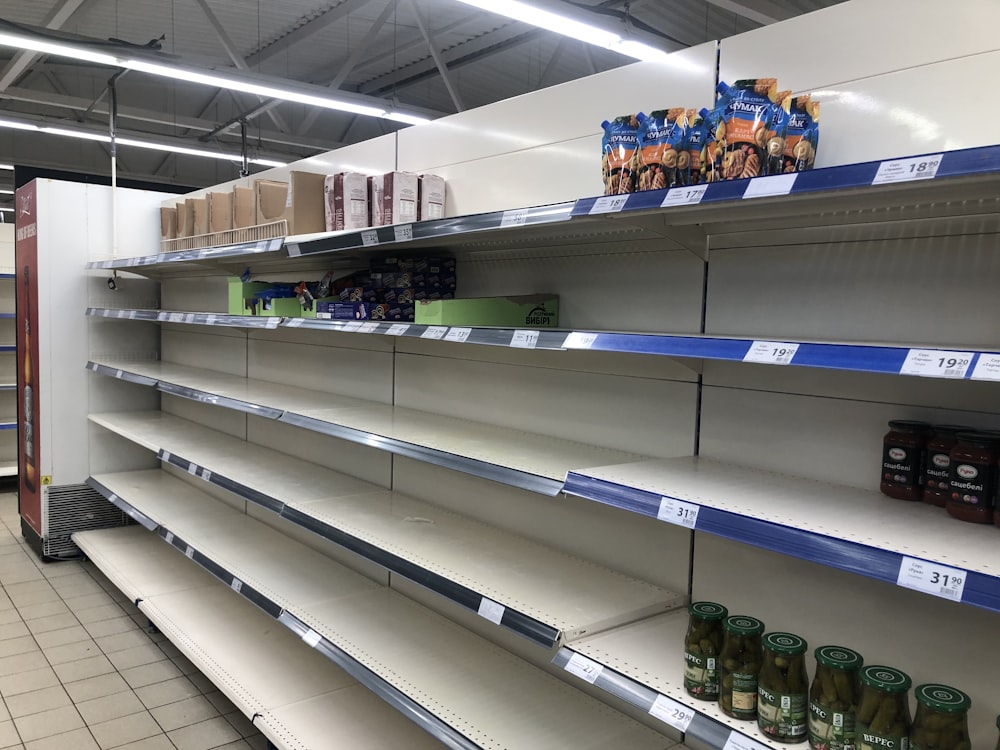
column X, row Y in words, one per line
column 88, row 135
column 560, row 24
column 314, row 96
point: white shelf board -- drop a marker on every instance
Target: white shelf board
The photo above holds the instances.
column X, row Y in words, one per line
column 435, row 438
column 266, row 671
column 465, row 681
column 8, row 467
column 571, row 595
column 843, row 527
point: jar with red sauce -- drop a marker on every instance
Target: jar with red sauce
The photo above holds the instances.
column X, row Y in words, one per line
column 903, row 449
column 973, row 476
column 937, row 473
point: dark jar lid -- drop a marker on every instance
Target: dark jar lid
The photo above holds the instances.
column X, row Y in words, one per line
column 950, row 430
column 786, row 644
column 838, row 657
column 886, row 678
column 708, row 610
column 906, row 425
column 744, row 625
column 984, row 439
column 943, row 698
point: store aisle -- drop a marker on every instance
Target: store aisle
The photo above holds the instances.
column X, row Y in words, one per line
column 78, row 671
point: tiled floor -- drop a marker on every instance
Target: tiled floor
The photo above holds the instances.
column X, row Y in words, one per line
column 78, row 671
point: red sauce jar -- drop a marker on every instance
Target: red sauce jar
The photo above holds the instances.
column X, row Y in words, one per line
column 937, row 467
column 903, row 459
column 973, row 476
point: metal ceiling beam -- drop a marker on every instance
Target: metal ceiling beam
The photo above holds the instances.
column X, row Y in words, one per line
column 61, row 12
column 764, row 13
column 436, row 56
column 306, row 30
column 59, row 88
column 413, row 43
column 234, row 54
column 557, row 54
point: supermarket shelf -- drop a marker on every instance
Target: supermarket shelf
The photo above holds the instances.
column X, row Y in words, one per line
column 527, row 460
column 8, row 467
column 531, row 589
column 190, row 259
column 437, row 673
column 195, row 318
column 8, row 423
column 643, row 664
column 7, row 275
column 8, row 386
column 268, row 673
column 824, row 523
column 8, row 347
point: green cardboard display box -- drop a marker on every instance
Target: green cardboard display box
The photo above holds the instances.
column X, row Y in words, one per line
column 525, row 311
column 285, row 307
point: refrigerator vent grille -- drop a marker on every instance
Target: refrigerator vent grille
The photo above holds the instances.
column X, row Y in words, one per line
column 77, row 507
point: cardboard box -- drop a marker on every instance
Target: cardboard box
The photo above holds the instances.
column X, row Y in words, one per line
column 394, row 198
column 346, row 205
column 526, row 311
column 198, row 215
column 240, row 294
column 396, row 279
column 168, row 223
column 185, row 219
column 244, row 207
column 299, row 201
column 359, row 294
column 220, row 212
column 337, row 310
column 432, row 194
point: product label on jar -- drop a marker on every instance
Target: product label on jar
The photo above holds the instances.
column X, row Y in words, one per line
column 829, row 729
column 867, row 740
column 938, row 470
column 744, row 696
column 972, row 484
column 700, row 677
column 781, row 715
column 900, row 465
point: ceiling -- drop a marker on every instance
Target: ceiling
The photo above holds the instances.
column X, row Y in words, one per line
column 437, row 55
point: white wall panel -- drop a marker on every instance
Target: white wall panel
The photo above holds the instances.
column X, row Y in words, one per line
column 209, row 347
column 200, row 294
column 229, row 421
column 109, row 452
column 930, row 639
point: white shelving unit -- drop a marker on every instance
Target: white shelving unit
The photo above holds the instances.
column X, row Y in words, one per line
column 8, row 367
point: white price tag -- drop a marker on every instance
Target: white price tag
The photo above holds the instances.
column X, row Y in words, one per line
column 684, row 196
column 92, row 366
column 671, row 712
column 403, row 232
column 524, row 339
column 120, row 313
column 434, row 332
column 206, row 475
column 210, row 320
column 236, row 585
column 579, row 340
column 932, row 578
column 987, row 367
column 354, row 325
column 398, row 329
column 491, row 610
column 189, row 318
column 738, row 741
column 169, row 537
column 608, row 204
column 764, row 187
column 192, row 470
column 189, row 552
column 131, row 314
column 904, row 170
column 118, row 373
column 369, row 327
column 369, row 238
column 175, row 317
column 515, row 218
column 678, row 512
column 166, row 456
column 936, row 363
column 114, row 499
column 311, row 637
column 584, row 668
column 294, row 322
column 771, row 352
column 457, row 334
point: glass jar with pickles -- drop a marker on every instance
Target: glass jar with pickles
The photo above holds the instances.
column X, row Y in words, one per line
column 833, row 698
column 742, row 654
column 883, row 717
column 783, row 688
column 942, row 720
column 702, row 646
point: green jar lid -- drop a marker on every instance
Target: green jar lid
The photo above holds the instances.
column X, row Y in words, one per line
column 886, row 678
column 943, row 698
column 744, row 625
column 838, row 657
column 708, row 610
column 785, row 643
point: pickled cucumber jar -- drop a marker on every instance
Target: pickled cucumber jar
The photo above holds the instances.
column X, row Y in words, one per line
column 942, row 720
column 833, row 698
column 741, row 658
column 783, row 688
column 702, row 646
column 883, row 717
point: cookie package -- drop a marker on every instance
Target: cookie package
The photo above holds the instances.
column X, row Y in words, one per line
column 619, row 145
column 694, row 142
column 743, row 128
column 660, row 160
column 802, row 136
column 715, row 136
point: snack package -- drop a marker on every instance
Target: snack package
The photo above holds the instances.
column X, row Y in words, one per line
column 619, row 145
column 744, row 126
column 660, row 140
column 694, row 142
column 802, row 137
column 715, row 136
column 777, row 130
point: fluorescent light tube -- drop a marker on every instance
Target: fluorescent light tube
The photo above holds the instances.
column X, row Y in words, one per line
column 566, row 26
column 8, row 167
column 56, row 48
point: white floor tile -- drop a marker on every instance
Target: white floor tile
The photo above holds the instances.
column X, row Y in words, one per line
column 122, row 641
column 124, row 730
column 145, row 653
column 25, row 682
column 148, row 674
column 36, row 701
column 204, row 735
column 78, row 739
column 168, row 691
column 111, row 626
column 48, row 723
column 97, row 687
column 110, row 707
column 184, row 713
column 71, row 652
column 84, row 668
column 157, row 742
column 51, row 622
column 8, row 735
column 62, row 636
column 15, row 646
